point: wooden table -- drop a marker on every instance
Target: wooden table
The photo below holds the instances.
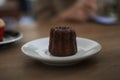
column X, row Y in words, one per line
column 14, row 65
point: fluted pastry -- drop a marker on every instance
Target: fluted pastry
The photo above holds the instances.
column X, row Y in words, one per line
column 62, row 41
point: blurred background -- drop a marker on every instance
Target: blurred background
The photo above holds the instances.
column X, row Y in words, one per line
column 16, row 11
column 27, row 11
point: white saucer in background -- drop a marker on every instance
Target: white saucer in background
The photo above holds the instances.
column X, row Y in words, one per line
column 38, row 49
column 105, row 19
column 11, row 39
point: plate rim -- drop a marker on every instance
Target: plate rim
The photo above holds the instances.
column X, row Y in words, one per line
column 13, row 40
column 46, row 61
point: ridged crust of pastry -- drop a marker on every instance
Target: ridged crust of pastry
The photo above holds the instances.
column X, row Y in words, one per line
column 62, row 41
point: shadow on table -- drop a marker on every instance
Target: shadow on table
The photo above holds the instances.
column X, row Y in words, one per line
column 8, row 46
column 90, row 62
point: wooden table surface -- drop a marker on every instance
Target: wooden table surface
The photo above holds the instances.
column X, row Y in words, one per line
column 14, row 65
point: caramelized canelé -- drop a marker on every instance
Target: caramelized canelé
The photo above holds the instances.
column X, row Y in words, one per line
column 62, row 41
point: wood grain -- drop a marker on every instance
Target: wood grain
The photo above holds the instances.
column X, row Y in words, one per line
column 14, row 65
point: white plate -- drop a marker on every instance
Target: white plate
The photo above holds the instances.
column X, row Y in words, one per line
column 105, row 20
column 38, row 49
column 11, row 39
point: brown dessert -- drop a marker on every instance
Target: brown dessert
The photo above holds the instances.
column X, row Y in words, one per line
column 2, row 24
column 62, row 41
